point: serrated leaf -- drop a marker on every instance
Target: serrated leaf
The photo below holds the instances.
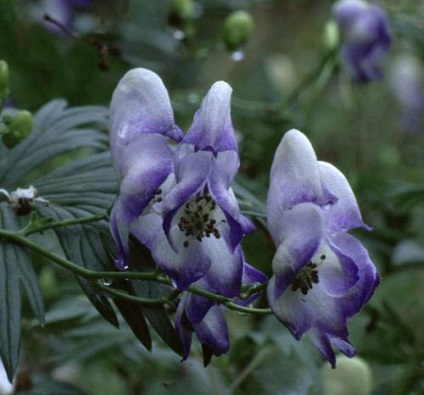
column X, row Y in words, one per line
column 16, row 273
column 133, row 315
column 82, row 188
column 157, row 316
column 57, row 130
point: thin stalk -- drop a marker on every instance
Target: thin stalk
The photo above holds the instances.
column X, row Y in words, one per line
column 19, row 239
column 59, row 224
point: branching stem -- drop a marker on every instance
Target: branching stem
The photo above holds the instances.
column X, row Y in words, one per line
column 19, row 238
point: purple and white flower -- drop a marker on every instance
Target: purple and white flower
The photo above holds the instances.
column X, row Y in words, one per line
column 178, row 201
column 141, row 123
column 322, row 275
column 206, row 319
column 199, row 227
column 365, row 38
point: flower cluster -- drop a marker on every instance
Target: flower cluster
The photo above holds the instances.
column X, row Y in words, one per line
column 178, row 201
column 365, row 38
column 175, row 198
column 322, row 275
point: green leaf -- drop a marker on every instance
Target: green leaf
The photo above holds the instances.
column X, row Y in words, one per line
column 81, row 189
column 249, row 203
column 141, row 261
column 156, row 315
column 133, row 315
column 16, row 274
column 57, row 130
column 42, row 385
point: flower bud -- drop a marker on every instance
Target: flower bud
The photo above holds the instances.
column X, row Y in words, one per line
column 4, row 79
column 180, row 14
column 352, row 376
column 182, row 9
column 237, row 29
column 19, row 127
column 331, row 35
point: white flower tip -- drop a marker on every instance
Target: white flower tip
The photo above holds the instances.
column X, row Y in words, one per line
column 294, row 142
column 221, row 89
column 137, row 79
column 218, row 100
column 216, row 106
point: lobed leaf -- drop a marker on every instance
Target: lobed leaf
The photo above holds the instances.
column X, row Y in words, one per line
column 16, row 274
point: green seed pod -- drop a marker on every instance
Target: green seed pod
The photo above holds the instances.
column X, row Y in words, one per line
column 352, row 376
column 237, row 29
column 182, row 9
column 180, row 15
column 331, row 35
column 19, row 128
column 4, row 79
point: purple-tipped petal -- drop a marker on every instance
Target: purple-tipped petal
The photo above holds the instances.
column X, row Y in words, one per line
column 140, row 105
column 325, row 343
column 212, row 128
column 225, row 273
column 222, row 174
column 183, row 327
column 368, row 280
column 322, row 343
column 185, row 266
column 120, row 234
column 346, row 12
column 344, row 214
column 147, row 229
column 337, row 271
column 197, row 307
column 295, row 178
column 144, row 165
column 208, row 323
column 212, row 331
column 191, row 173
column 296, row 315
column 252, row 275
column 301, row 235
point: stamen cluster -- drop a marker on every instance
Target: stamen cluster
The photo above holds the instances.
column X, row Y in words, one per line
column 197, row 219
column 306, row 278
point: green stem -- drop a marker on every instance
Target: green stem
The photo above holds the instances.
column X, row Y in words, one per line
column 309, row 80
column 67, row 222
column 19, row 239
column 123, row 295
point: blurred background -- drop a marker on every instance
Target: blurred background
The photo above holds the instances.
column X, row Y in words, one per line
column 285, row 73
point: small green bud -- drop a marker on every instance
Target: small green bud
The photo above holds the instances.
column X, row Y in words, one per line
column 182, row 9
column 48, row 283
column 331, row 35
column 19, row 126
column 4, row 79
column 237, row 29
column 352, row 376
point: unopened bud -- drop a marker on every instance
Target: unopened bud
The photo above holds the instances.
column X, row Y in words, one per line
column 352, row 376
column 4, row 79
column 182, row 9
column 331, row 35
column 19, row 127
column 180, row 14
column 237, row 29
